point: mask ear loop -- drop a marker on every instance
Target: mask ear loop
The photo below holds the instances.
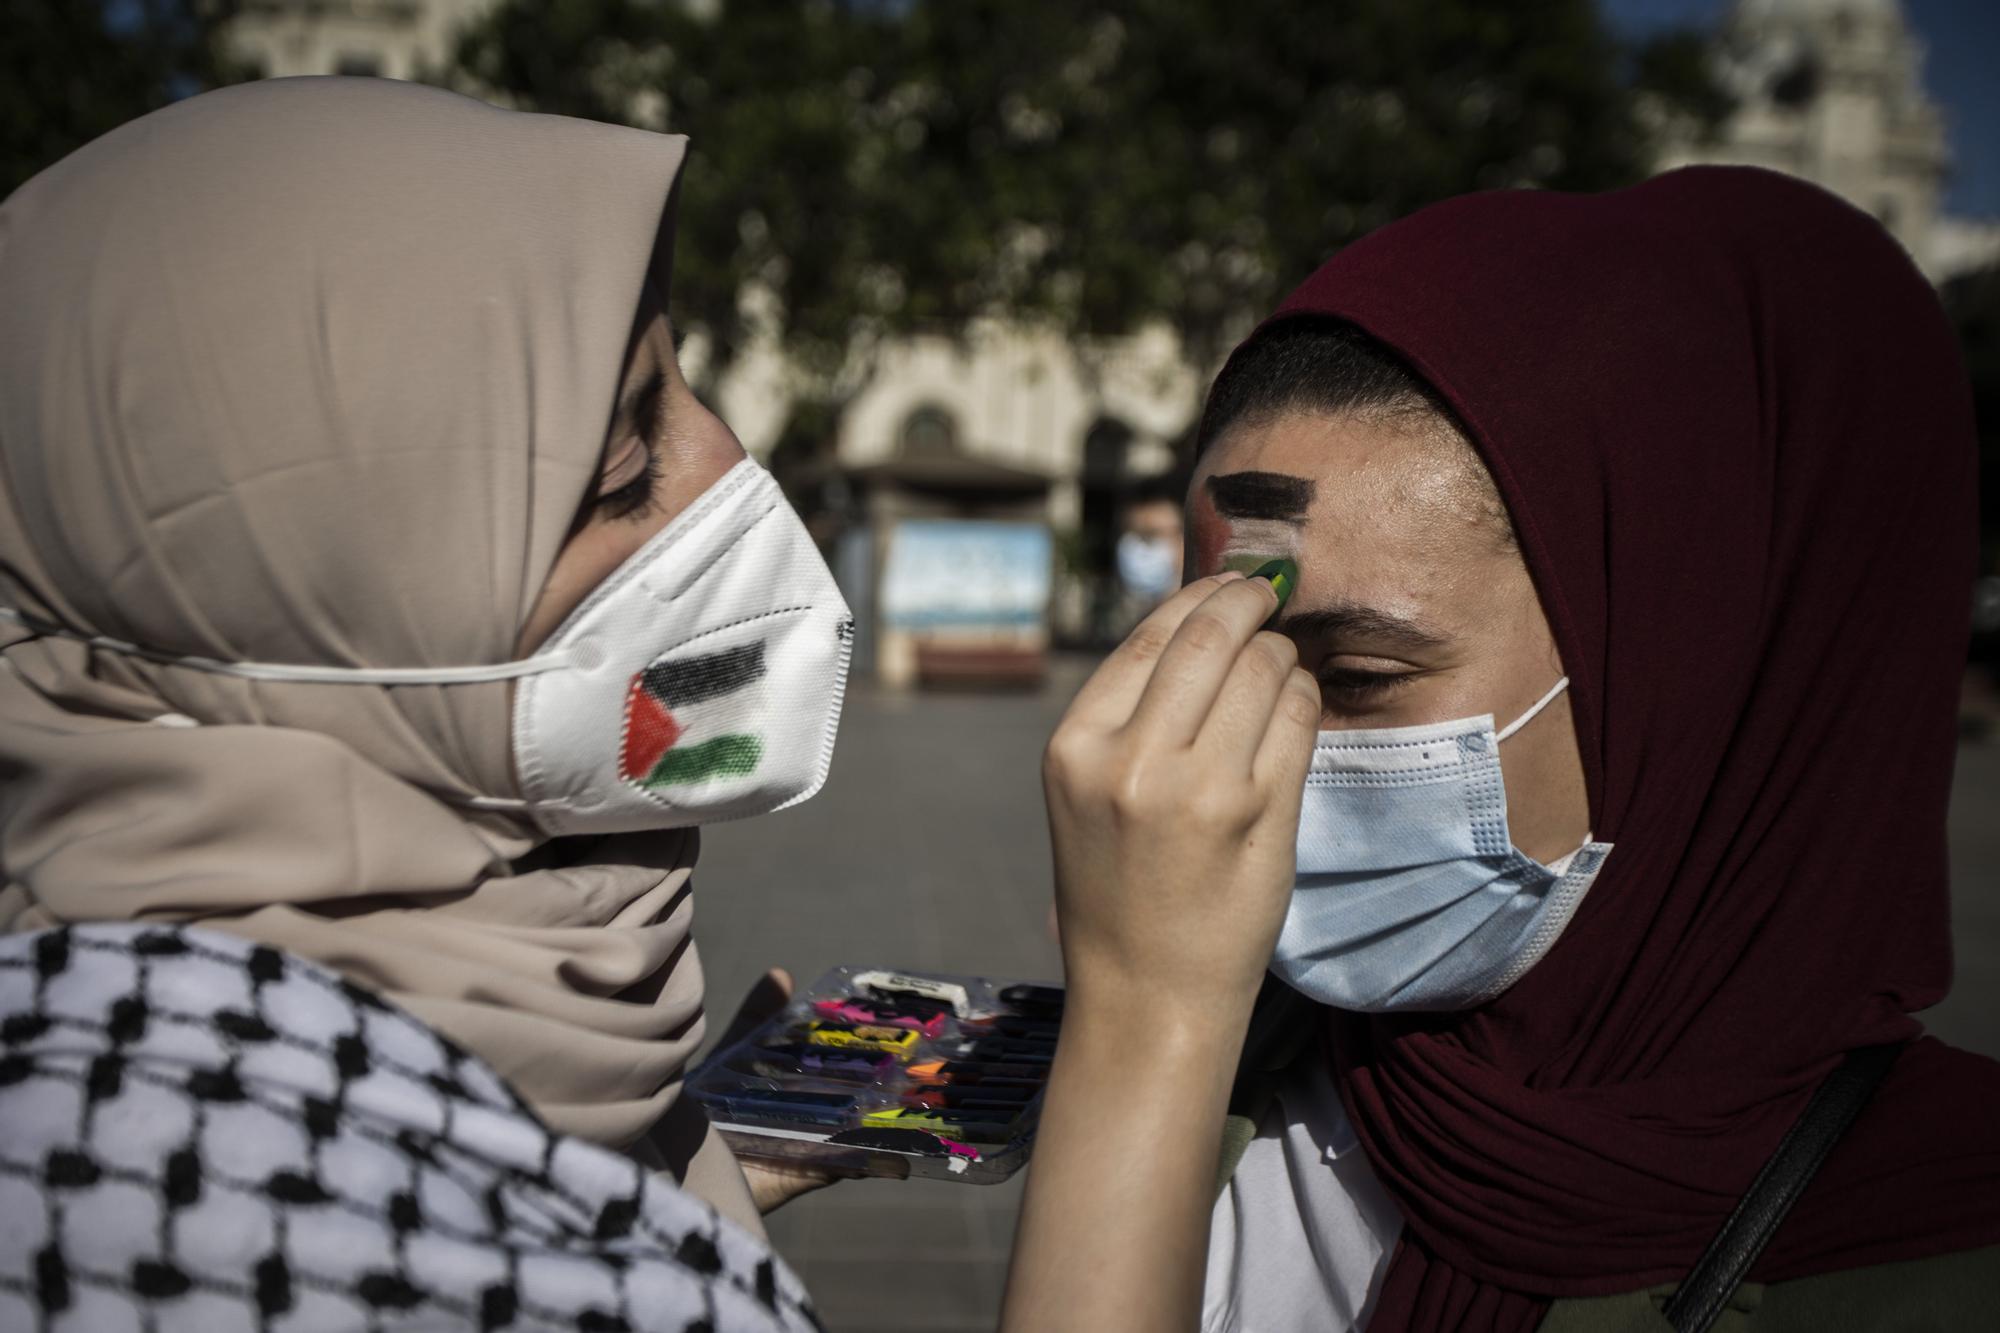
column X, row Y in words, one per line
column 288, row 673
column 1529, row 716
column 504, row 804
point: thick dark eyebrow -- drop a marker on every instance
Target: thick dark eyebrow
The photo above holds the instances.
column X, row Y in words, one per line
column 1372, row 624
column 1261, row 495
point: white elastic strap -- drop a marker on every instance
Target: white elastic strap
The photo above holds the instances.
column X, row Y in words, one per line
column 306, row 675
column 1529, row 716
column 506, row 803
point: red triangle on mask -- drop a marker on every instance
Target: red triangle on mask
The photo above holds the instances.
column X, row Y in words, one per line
column 650, row 731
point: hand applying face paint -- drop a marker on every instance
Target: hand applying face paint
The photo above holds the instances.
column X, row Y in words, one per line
column 1173, row 787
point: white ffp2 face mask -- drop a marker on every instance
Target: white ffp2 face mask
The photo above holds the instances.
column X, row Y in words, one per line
column 705, row 675
column 701, row 681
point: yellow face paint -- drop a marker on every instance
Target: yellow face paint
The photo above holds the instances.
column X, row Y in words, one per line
column 1284, row 577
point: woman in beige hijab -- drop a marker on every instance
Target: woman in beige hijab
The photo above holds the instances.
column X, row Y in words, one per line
column 329, row 373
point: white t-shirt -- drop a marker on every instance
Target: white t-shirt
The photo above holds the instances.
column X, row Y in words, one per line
column 1302, row 1236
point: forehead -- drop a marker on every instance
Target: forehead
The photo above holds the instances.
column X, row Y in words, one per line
column 1391, row 507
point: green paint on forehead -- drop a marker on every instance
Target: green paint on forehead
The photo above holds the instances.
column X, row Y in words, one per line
column 1249, row 562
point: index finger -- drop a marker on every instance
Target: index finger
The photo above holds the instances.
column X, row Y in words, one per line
column 1109, row 697
column 1190, row 673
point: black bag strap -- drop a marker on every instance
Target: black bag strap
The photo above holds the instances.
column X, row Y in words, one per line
column 1835, row 1103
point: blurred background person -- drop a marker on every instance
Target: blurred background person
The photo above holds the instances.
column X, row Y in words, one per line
column 1149, row 552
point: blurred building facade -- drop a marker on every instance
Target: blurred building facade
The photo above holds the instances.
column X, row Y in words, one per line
column 394, row 39
column 1830, row 90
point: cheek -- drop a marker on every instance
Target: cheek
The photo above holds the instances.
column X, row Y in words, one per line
column 585, row 560
column 697, row 453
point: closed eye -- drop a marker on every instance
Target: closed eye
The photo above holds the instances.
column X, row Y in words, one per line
column 645, row 409
column 1355, row 687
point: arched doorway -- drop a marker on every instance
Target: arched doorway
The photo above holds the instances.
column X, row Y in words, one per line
column 929, row 431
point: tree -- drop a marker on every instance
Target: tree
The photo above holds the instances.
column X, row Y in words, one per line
column 902, row 165
column 72, row 69
column 774, row 100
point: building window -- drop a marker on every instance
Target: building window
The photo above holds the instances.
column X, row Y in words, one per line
column 928, row 432
column 1797, row 85
column 359, row 64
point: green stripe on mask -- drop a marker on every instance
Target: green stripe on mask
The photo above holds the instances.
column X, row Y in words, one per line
column 724, row 757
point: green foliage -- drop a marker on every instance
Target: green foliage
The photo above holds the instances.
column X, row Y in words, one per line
column 1212, row 154
column 72, row 69
column 1676, row 70
column 774, row 101
column 880, row 168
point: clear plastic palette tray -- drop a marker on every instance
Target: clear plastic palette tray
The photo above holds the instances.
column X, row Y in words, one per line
column 881, row 1072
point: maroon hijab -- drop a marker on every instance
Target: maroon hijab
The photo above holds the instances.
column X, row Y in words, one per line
column 1732, row 428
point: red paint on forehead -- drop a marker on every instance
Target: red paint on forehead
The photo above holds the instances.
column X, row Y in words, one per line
column 1208, row 534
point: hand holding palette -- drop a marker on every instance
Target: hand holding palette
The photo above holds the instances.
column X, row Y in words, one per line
column 886, row 1073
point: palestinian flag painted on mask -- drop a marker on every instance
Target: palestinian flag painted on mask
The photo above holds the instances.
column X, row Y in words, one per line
column 680, row 716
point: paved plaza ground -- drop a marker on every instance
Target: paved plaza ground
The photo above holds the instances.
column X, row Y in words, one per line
column 927, row 849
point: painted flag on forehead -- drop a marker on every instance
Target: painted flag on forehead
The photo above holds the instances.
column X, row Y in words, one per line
column 693, row 719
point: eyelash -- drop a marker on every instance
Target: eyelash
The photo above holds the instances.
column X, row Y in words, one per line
column 635, row 498
column 1362, row 686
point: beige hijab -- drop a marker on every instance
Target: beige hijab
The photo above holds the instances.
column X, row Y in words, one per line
column 318, row 371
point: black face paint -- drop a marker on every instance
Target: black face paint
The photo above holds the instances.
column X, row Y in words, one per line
column 1265, row 495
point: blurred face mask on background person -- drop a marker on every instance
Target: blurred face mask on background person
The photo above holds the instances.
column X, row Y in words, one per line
column 1149, row 566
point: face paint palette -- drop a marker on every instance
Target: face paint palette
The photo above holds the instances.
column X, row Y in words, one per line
column 876, row 1072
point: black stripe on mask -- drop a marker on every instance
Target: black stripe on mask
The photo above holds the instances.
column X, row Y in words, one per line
column 690, row 680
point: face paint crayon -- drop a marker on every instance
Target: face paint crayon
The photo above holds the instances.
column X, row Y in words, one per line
column 1284, row 577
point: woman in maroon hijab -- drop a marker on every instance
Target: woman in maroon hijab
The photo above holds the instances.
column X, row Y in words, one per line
column 1727, row 494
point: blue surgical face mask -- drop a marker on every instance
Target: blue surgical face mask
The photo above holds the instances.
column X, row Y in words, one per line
column 1149, row 566
column 1410, row 895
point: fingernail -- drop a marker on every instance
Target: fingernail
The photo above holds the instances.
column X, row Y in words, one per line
column 1283, row 576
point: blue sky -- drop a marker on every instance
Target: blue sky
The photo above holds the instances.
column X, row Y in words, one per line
column 1962, row 42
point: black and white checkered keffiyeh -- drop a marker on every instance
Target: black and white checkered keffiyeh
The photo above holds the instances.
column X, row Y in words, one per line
column 201, row 1134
